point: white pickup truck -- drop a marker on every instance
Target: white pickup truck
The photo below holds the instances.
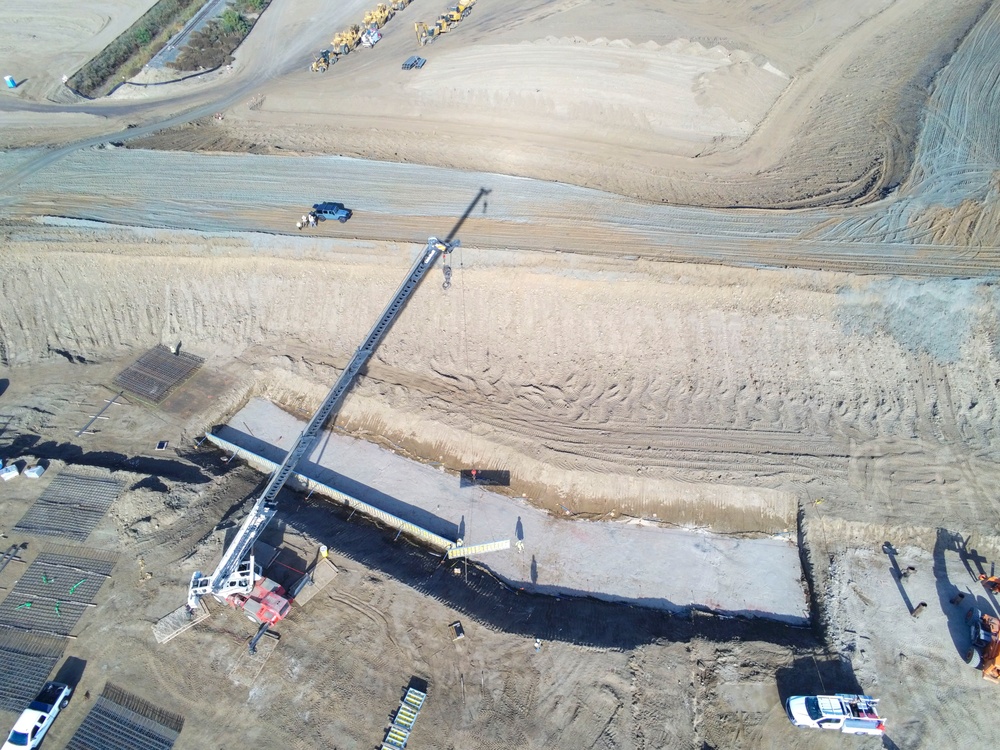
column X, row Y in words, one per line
column 851, row 714
column 35, row 720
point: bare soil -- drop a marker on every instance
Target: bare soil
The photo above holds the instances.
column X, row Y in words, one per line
column 789, row 106
column 655, row 348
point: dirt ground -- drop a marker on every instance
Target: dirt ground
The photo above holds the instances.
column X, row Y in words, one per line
column 622, row 331
column 42, row 43
column 785, row 105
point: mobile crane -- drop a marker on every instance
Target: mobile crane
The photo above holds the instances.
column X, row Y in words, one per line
column 238, row 580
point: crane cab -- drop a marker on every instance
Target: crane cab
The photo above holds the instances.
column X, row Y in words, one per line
column 265, row 604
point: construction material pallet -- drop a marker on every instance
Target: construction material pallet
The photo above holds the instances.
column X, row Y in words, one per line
column 402, row 724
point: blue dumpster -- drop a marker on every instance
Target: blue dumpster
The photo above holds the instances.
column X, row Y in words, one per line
column 11, row 83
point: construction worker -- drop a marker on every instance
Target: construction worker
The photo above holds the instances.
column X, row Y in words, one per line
column 312, row 220
column 298, row 225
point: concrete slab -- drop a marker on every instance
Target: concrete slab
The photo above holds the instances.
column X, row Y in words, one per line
column 324, row 572
column 637, row 563
column 180, row 620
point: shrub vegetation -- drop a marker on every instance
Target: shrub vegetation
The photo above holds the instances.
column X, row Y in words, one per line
column 130, row 51
column 134, row 47
column 213, row 44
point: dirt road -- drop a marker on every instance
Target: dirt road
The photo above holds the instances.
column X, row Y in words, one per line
column 939, row 222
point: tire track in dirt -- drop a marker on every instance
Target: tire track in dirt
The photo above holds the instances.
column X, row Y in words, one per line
column 370, row 612
column 627, row 442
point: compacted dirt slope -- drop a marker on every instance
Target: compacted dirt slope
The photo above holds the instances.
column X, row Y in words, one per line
column 786, row 104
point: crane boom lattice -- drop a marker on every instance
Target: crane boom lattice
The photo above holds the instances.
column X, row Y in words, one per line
column 233, row 573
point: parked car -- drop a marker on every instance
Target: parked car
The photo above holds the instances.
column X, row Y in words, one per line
column 332, row 211
column 850, row 714
column 35, row 720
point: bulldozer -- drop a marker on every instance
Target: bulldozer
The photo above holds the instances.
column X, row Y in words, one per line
column 377, row 18
column 984, row 653
column 346, row 40
column 322, row 62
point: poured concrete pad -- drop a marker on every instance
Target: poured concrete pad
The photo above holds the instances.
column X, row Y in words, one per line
column 324, row 572
column 169, row 627
column 638, row 563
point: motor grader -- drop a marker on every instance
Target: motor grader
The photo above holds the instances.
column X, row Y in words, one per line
column 443, row 24
column 322, row 62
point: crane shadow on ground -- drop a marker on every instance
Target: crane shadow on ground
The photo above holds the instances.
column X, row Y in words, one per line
column 573, row 617
column 956, row 600
column 810, row 675
column 69, row 453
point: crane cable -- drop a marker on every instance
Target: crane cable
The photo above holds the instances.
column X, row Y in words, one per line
column 465, row 331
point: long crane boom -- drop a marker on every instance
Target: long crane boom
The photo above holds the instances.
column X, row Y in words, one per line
column 232, row 574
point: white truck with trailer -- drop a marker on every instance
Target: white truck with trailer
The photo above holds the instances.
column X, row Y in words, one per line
column 850, row 714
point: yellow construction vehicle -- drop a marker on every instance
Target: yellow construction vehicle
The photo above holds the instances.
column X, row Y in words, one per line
column 425, row 34
column 322, row 62
column 376, row 19
column 457, row 12
column 399, row 4
column 443, row 24
column 386, row 11
column 446, row 21
column 346, row 40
